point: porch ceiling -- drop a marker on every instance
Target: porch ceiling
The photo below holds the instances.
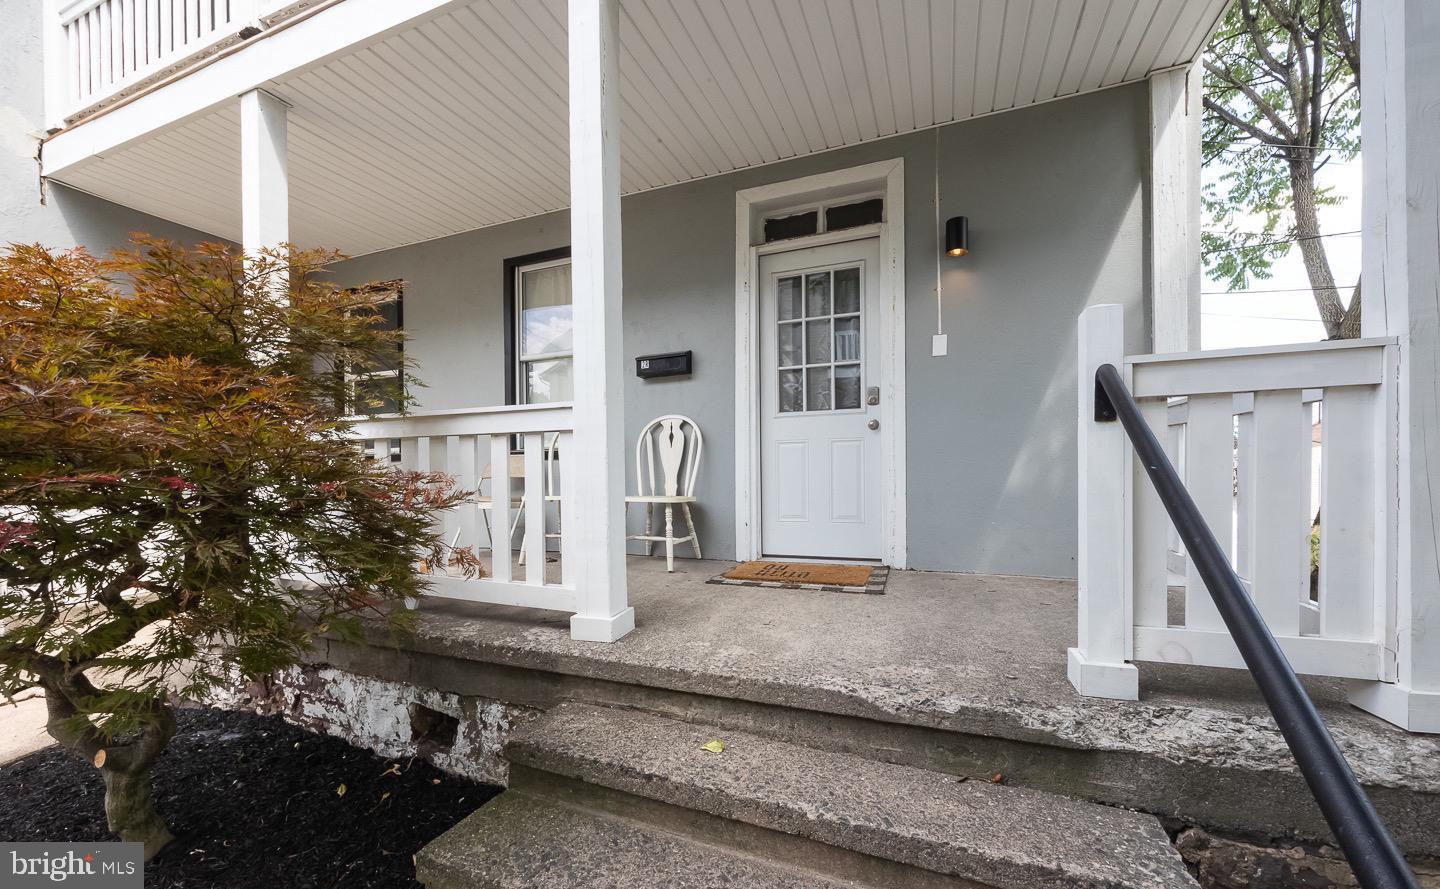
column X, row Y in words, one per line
column 458, row 120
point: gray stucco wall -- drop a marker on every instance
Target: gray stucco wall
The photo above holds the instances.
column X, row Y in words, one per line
column 67, row 218
column 1054, row 196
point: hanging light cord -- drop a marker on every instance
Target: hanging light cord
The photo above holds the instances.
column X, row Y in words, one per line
column 939, row 288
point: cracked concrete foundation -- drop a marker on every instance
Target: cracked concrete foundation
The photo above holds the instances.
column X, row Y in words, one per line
column 385, row 716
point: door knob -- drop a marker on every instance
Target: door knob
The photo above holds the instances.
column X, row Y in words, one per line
column 873, row 424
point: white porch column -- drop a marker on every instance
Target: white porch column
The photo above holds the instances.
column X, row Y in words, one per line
column 1400, row 135
column 599, row 462
column 1175, row 209
column 264, row 172
column 1098, row 665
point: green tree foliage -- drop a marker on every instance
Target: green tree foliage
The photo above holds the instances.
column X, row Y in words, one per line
column 1282, row 99
column 180, row 502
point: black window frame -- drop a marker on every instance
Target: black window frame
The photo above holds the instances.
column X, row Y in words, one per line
column 512, row 321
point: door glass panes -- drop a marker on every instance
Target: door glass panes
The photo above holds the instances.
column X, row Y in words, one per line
column 818, row 341
column 847, row 291
column 792, row 390
column 790, row 348
column 817, row 388
column 787, row 292
column 817, row 294
column 847, row 338
column 847, row 386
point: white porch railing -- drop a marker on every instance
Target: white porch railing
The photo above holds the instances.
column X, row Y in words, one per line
column 474, row 446
column 1238, row 427
column 102, row 50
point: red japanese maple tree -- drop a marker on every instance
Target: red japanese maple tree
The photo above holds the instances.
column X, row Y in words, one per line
column 180, row 501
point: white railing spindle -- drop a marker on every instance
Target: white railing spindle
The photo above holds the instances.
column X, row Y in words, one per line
column 534, row 510
column 500, row 507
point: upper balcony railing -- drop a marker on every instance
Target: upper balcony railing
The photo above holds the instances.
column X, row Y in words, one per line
column 98, row 52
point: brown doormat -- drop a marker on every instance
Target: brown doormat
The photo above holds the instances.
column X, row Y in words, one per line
column 805, row 575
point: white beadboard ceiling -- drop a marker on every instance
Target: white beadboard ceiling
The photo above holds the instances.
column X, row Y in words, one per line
column 460, row 121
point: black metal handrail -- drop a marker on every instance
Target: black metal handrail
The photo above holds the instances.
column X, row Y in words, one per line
column 1367, row 845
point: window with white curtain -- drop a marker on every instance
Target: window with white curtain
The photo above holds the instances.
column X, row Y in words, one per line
column 544, row 333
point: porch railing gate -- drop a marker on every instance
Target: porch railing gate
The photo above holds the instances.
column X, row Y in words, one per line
column 1239, row 425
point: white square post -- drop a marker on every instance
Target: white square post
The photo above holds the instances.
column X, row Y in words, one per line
column 264, row 175
column 599, row 461
column 1400, row 131
column 1175, row 208
column 1099, row 665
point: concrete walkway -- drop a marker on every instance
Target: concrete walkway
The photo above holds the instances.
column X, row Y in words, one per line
column 22, row 726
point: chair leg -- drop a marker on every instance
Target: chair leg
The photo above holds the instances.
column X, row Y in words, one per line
column 694, row 535
column 649, row 524
column 669, row 537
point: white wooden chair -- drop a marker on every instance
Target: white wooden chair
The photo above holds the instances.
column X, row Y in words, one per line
column 678, row 443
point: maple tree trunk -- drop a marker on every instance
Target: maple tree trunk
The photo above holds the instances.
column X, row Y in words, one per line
column 1340, row 323
column 130, row 810
column 129, row 801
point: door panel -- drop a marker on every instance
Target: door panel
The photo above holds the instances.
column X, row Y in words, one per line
column 847, row 480
column 820, row 462
column 790, row 480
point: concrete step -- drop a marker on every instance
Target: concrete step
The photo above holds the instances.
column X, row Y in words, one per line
column 519, row 841
column 873, row 822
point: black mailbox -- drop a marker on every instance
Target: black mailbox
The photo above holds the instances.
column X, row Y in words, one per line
column 670, row 364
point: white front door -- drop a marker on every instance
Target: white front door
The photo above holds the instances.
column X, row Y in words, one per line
column 820, row 464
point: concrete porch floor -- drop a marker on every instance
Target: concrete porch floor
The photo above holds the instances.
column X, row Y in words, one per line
column 937, row 649
column 977, row 656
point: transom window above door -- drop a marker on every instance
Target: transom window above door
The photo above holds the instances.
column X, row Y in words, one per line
column 544, row 333
column 798, row 222
column 818, row 340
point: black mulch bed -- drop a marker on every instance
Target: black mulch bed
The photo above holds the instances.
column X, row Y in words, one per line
column 253, row 802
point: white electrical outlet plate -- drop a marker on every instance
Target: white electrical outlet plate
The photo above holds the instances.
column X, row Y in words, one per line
column 940, row 345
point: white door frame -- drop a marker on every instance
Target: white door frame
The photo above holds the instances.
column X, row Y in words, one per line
column 751, row 204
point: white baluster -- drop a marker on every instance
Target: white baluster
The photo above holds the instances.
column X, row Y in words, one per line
column 167, row 27
column 1209, row 473
column 500, row 507
column 462, row 467
column 105, row 37
column 1150, row 531
column 1282, row 528
column 1347, row 513
column 566, row 452
column 534, row 509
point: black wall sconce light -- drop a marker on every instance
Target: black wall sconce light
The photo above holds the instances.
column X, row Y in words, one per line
column 957, row 236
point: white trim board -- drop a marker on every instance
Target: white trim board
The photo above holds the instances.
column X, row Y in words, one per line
column 750, row 206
